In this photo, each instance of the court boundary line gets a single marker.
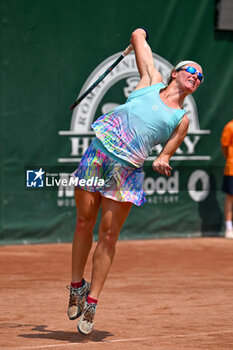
(86, 343)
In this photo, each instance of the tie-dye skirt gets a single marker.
(99, 172)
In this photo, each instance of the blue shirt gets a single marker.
(131, 130)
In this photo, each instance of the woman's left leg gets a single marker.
(113, 217)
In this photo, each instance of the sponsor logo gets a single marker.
(164, 190)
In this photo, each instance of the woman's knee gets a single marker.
(108, 237)
(85, 224)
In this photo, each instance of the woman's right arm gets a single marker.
(144, 58)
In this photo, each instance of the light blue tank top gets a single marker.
(131, 130)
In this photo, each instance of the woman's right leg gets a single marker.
(87, 204)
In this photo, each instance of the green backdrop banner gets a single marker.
(51, 51)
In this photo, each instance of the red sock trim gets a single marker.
(91, 300)
(77, 284)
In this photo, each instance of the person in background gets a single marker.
(227, 187)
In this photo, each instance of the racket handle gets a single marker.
(127, 50)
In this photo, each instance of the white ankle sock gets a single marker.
(228, 225)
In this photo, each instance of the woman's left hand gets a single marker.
(162, 167)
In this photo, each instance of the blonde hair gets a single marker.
(169, 80)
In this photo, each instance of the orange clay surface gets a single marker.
(160, 294)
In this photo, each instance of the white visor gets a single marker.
(185, 63)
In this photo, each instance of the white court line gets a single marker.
(80, 343)
(121, 340)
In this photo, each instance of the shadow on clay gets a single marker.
(72, 337)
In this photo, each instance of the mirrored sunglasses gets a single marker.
(192, 70)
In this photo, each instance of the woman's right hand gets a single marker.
(144, 58)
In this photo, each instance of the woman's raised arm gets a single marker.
(144, 58)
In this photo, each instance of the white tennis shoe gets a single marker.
(229, 234)
(77, 300)
(86, 322)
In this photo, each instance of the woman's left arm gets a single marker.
(161, 163)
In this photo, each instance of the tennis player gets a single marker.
(152, 114)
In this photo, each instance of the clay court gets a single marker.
(160, 294)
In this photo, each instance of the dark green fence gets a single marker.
(50, 52)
